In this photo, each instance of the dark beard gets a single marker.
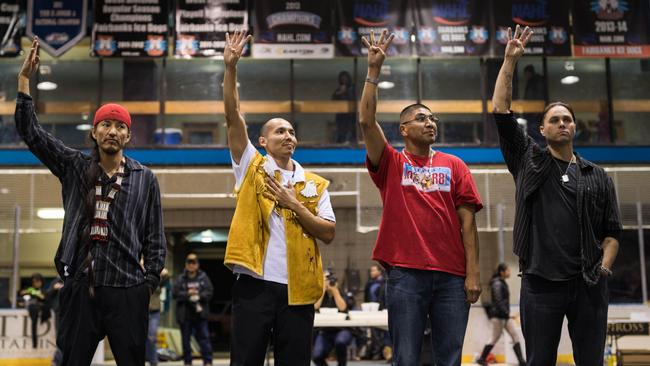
(112, 149)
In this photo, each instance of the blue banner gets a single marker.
(12, 23)
(58, 24)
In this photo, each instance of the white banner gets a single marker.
(16, 336)
(265, 50)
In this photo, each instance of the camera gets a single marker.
(331, 277)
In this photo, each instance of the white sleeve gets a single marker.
(241, 168)
(325, 210)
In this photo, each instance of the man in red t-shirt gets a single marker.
(427, 237)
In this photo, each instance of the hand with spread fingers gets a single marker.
(285, 196)
(30, 65)
(234, 47)
(517, 43)
(377, 49)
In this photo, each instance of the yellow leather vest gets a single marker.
(249, 233)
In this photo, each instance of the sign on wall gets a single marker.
(452, 27)
(292, 29)
(130, 28)
(548, 20)
(16, 338)
(10, 28)
(609, 28)
(201, 27)
(58, 24)
(357, 18)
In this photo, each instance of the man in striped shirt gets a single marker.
(566, 226)
(113, 218)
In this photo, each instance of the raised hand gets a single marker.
(30, 65)
(377, 49)
(517, 43)
(234, 47)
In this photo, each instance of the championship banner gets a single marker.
(549, 22)
(292, 29)
(611, 28)
(452, 27)
(10, 27)
(130, 28)
(58, 24)
(201, 27)
(357, 18)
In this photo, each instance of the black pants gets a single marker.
(260, 311)
(544, 304)
(119, 313)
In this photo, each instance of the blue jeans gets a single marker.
(340, 339)
(411, 296)
(152, 335)
(200, 330)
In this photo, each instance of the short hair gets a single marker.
(408, 108)
(529, 68)
(192, 254)
(556, 104)
(37, 276)
(265, 127)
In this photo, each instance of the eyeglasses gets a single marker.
(191, 261)
(422, 118)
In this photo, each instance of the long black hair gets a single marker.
(93, 173)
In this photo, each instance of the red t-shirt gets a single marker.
(419, 225)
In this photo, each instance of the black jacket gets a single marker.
(500, 307)
(183, 303)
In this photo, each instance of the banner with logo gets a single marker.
(548, 20)
(611, 28)
(292, 29)
(11, 27)
(58, 24)
(130, 28)
(201, 27)
(16, 336)
(452, 27)
(357, 18)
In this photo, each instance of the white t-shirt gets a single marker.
(275, 261)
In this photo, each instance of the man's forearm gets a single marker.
(320, 228)
(610, 251)
(23, 84)
(368, 107)
(502, 98)
(230, 94)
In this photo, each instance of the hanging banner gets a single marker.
(550, 25)
(130, 28)
(452, 27)
(201, 27)
(292, 29)
(58, 24)
(611, 28)
(10, 28)
(357, 18)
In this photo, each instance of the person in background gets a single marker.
(500, 315)
(52, 299)
(346, 131)
(375, 291)
(328, 338)
(154, 320)
(34, 300)
(192, 291)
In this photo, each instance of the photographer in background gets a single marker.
(328, 338)
(192, 291)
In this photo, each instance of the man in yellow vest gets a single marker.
(281, 211)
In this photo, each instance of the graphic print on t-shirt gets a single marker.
(427, 178)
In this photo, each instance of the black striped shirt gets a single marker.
(135, 216)
(597, 208)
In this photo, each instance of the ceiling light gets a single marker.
(50, 213)
(522, 121)
(4, 190)
(46, 86)
(84, 127)
(569, 65)
(386, 85)
(571, 79)
(412, 37)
